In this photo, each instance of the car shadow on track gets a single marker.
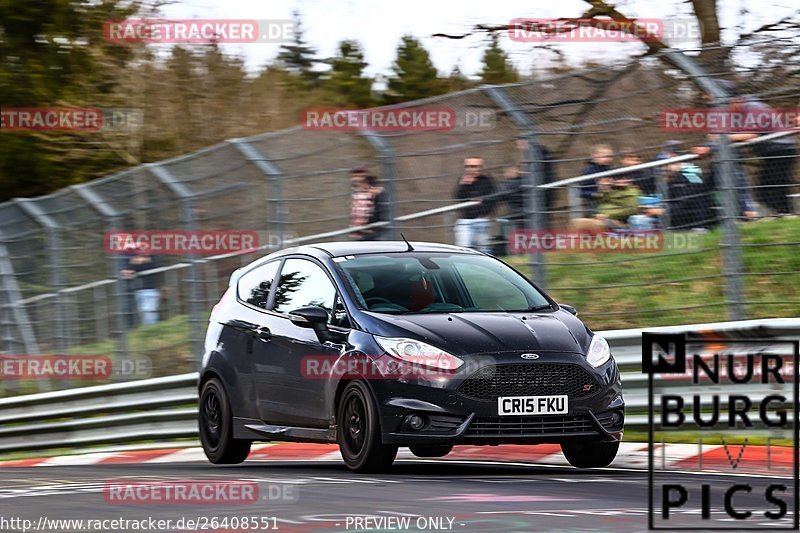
(433, 468)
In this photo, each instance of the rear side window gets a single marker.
(254, 286)
(302, 284)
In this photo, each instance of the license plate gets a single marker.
(532, 405)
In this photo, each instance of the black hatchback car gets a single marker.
(376, 345)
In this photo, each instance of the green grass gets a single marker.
(772, 275)
(166, 343)
(709, 439)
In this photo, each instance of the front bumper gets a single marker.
(452, 417)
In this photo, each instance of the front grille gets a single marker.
(530, 426)
(536, 379)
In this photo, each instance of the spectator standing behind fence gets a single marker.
(778, 156)
(145, 288)
(644, 179)
(602, 158)
(617, 201)
(367, 205)
(473, 228)
(689, 197)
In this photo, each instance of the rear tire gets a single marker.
(359, 431)
(431, 451)
(215, 422)
(592, 454)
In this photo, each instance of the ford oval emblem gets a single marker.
(530, 356)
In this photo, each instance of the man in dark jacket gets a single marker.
(473, 228)
(513, 192)
(145, 288)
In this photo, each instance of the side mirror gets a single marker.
(569, 309)
(313, 317)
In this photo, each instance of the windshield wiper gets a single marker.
(540, 307)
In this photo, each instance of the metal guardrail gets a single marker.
(165, 408)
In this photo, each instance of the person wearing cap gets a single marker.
(367, 205)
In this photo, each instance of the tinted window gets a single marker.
(438, 283)
(254, 286)
(489, 288)
(303, 283)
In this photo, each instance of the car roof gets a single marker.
(338, 249)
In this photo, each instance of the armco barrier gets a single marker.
(164, 409)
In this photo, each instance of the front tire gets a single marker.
(215, 422)
(358, 431)
(592, 454)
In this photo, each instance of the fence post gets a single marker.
(274, 174)
(51, 228)
(388, 162)
(731, 249)
(117, 264)
(535, 216)
(196, 333)
(10, 289)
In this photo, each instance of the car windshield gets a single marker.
(414, 282)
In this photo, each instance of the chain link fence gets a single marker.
(587, 151)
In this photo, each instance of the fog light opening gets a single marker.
(617, 417)
(415, 421)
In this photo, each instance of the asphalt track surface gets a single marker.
(325, 496)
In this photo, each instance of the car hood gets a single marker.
(476, 333)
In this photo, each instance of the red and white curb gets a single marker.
(750, 459)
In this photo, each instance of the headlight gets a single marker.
(419, 353)
(599, 351)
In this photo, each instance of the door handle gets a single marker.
(261, 332)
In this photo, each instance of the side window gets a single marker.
(254, 286)
(303, 283)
